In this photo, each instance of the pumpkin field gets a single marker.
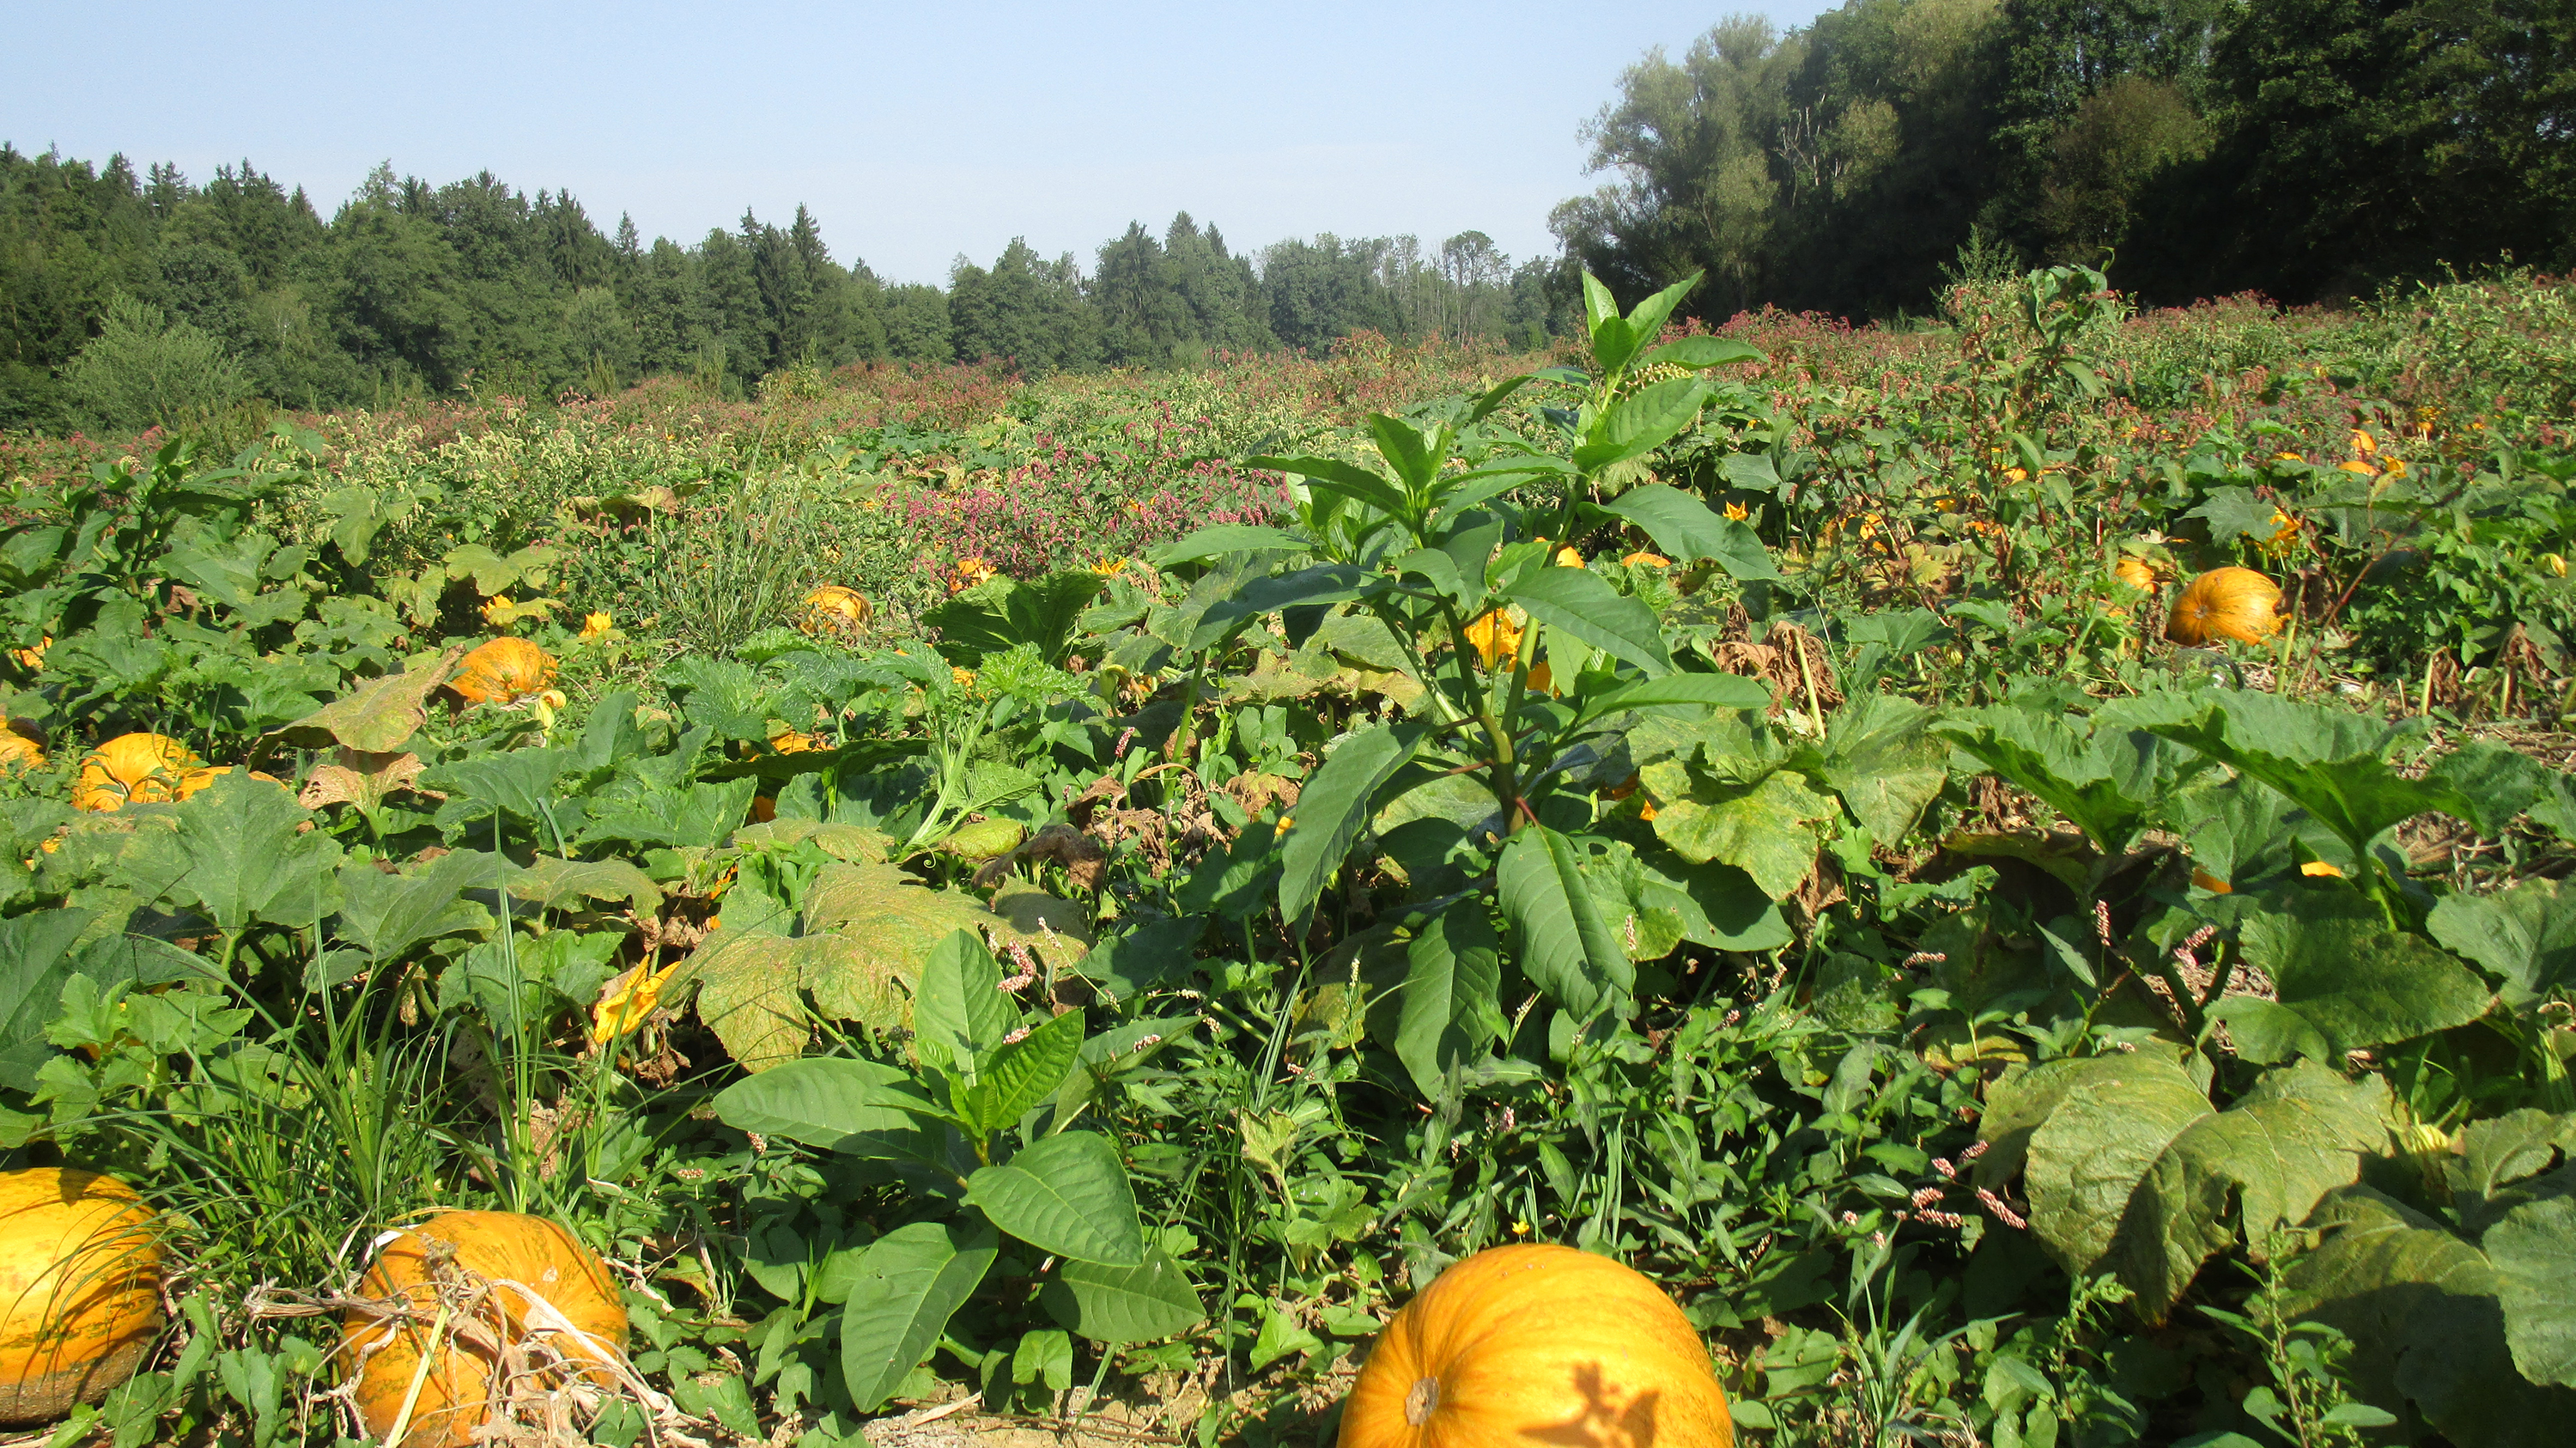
(1988, 881)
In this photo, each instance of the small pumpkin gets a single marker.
(528, 1276)
(80, 1290)
(139, 769)
(1534, 1345)
(503, 671)
(2137, 573)
(17, 752)
(835, 609)
(2229, 603)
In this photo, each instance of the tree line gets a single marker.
(2308, 149)
(127, 300)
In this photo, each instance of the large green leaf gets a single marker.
(1452, 983)
(1567, 948)
(2101, 1139)
(832, 1103)
(553, 882)
(1024, 1072)
(2346, 979)
(1121, 1305)
(2257, 1167)
(2534, 1252)
(2423, 1307)
(2045, 756)
(1000, 614)
(960, 1012)
(237, 855)
(1766, 828)
(2526, 936)
(1642, 421)
(40, 951)
(1880, 758)
(1068, 1195)
(1334, 805)
(1700, 352)
(1334, 475)
(386, 915)
(907, 1285)
(1579, 602)
(1687, 528)
(1716, 691)
(377, 716)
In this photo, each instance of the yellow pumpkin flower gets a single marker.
(627, 1007)
(1495, 636)
(2319, 869)
(962, 678)
(1738, 512)
(33, 659)
(497, 610)
(1109, 567)
(1643, 559)
(2556, 565)
(595, 624)
(2363, 442)
(1568, 558)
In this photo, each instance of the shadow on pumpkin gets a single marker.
(1605, 1421)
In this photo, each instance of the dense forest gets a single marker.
(2307, 149)
(128, 300)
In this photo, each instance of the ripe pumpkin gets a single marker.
(835, 609)
(525, 1261)
(141, 769)
(503, 671)
(1530, 1346)
(2231, 603)
(2137, 573)
(17, 751)
(80, 1290)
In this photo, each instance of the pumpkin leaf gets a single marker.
(42, 950)
(237, 855)
(1766, 828)
(1880, 757)
(377, 717)
(386, 915)
(2346, 981)
(550, 881)
(2100, 1140)
(2534, 1252)
(1068, 1195)
(904, 1289)
(2525, 936)
(1123, 1305)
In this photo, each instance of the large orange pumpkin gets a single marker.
(835, 609)
(80, 1290)
(528, 1277)
(2225, 603)
(503, 671)
(17, 751)
(139, 769)
(1538, 1347)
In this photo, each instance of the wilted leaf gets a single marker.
(1767, 829)
(378, 716)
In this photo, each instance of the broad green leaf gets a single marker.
(2534, 1252)
(1348, 479)
(1067, 1195)
(2048, 758)
(40, 951)
(1717, 691)
(1599, 310)
(386, 915)
(237, 855)
(886, 927)
(1881, 760)
(751, 994)
(2354, 981)
(1333, 806)
(1642, 421)
(2422, 1307)
(1766, 829)
(960, 1012)
(1701, 352)
(377, 716)
(831, 1103)
(1688, 529)
(907, 1286)
(2526, 936)
(1567, 949)
(551, 882)
(1579, 602)
(1122, 1305)
(2099, 1142)
(1000, 614)
(1023, 1073)
(1220, 539)
(1413, 452)
(1452, 982)
(2332, 762)
(2257, 1167)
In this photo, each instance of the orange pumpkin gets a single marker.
(526, 1278)
(2229, 603)
(503, 671)
(17, 751)
(2137, 573)
(80, 1290)
(139, 769)
(835, 609)
(1533, 1346)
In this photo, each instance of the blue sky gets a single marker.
(915, 132)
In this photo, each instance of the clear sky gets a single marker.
(915, 132)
